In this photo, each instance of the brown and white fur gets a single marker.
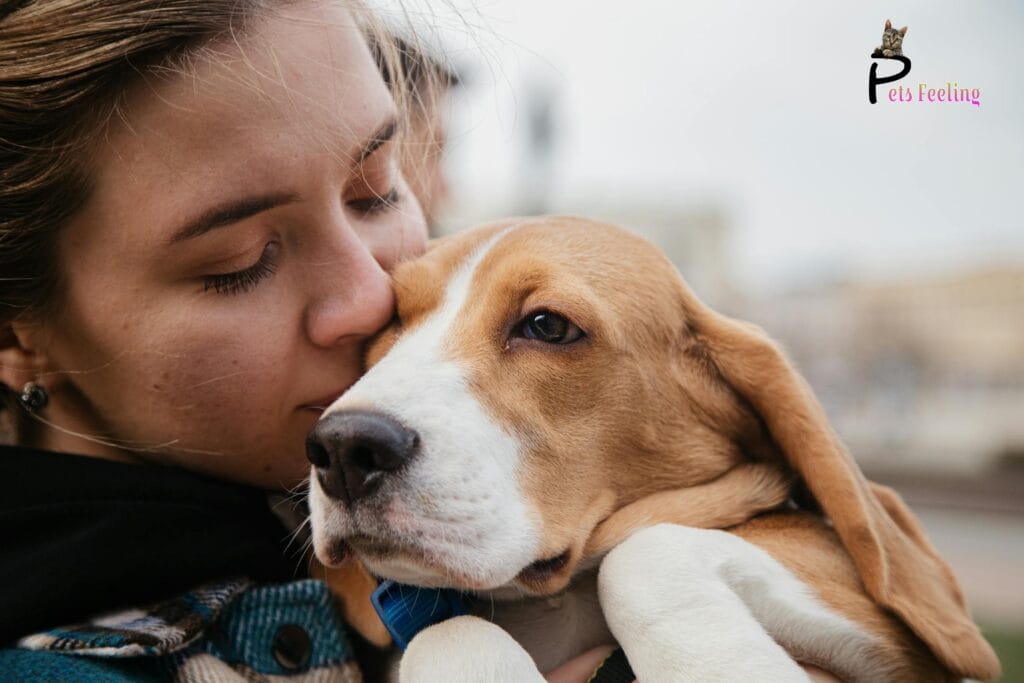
(557, 480)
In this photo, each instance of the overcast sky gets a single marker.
(762, 109)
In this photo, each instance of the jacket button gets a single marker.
(292, 647)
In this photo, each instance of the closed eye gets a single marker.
(246, 279)
(376, 203)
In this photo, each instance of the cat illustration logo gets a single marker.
(892, 42)
(891, 48)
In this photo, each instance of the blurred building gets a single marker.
(923, 373)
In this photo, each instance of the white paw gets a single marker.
(466, 649)
(667, 593)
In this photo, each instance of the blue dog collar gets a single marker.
(407, 610)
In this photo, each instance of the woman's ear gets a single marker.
(21, 359)
(900, 569)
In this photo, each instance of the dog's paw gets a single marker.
(682, 604)
(466, 649)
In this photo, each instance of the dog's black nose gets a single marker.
(353, 451)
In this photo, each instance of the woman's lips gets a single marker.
(324, 403)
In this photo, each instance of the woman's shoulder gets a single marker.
(220, 630)
(84, 536)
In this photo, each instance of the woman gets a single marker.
(200, 203)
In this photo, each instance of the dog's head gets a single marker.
(542, 374)
(536, 378)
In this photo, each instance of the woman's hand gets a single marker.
(581, 668)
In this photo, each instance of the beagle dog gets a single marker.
(555, 423)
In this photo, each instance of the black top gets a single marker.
(80, 536)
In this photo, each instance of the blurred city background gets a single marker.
(882, 244)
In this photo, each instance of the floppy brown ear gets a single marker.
(898, 565)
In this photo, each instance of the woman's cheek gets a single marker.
(408, 235)
(223, 375)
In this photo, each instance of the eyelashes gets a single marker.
(245, 280)
(376, 203)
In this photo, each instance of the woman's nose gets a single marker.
(354, 297)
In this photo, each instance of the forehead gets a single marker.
(525, 245)
(306, 71)
(614, 273)
(243, 113)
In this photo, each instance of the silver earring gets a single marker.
(33, 397)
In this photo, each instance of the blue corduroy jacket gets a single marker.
(227, 631)
(111, 554)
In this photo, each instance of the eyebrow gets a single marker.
(240, 209)
(380, 136)
(232, 212)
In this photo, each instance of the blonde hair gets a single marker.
(65, 66)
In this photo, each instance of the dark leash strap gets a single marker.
(614, 669)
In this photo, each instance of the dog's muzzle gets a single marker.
(353, 451)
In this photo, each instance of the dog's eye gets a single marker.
(549, 327)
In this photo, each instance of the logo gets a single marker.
(892, 49)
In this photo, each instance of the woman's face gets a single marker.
(233, 256)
